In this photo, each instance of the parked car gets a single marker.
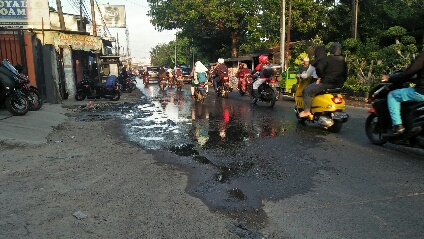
(153, 71)
(185, 71)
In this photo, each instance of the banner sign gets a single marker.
(78, 42)
(110, 15)
(24, 14)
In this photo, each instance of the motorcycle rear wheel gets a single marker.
(35, 102)
(17, 105)
(80, 95)
(374, 130)
(271, 97)
(116, 97)
(336, 127)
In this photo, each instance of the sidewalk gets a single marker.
(35, 126)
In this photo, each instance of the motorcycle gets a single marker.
(11, 90)
(162, 83)
(146, 80)
(32, 93)
(224, 88)
(200, 93)
(127, 85)
(266, 93)
(86, 88)
(180, 84)
(243, 81)
(328, 107)
(379, 123)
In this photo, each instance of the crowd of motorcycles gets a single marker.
(328, 107)
(16, 92)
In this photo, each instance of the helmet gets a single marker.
(268, 72)
(263, 59)
(221, 60)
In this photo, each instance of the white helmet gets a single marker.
(221, 60)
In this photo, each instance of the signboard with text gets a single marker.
(110, 15)
(78, 42)
(24, 14)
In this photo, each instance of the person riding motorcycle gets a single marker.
(263, 63)
(198, 68)
(319, 53)
(332, 73)
(220, 71)
(241, 74)
(409, 94)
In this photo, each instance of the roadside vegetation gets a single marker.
(389, 33)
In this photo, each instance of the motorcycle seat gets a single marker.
(330, 91)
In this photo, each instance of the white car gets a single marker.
(153, 71)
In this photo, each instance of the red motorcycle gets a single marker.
(146, 80)
(224, 87)
(243, 81)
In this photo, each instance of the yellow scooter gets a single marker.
(328, 107)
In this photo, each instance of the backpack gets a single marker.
(201, 77)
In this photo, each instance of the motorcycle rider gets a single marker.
(263, 63)
(198, 68)
(320, 52)
(219, 71)
(332, 73)
(409, 94)
(242, 71)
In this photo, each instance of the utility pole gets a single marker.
(354, 18)
(60, 13)
(81, 18)
(93, 22)
(283, 34)
(288, 34)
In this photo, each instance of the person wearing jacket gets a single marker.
(320, 52)
(199, 68)
(263, 63)
(219, 71)
(409, 94)
(331, 72)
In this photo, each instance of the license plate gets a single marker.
(340, 115)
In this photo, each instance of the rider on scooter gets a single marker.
(198, 68)
(409, 94)
(332, 73)
(220, 71)
(263, 63)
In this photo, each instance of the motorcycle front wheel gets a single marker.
(374, 130)
(17, 105)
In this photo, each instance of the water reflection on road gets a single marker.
(170, 118)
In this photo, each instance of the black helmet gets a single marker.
(268, 72)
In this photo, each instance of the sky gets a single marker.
(142, 34)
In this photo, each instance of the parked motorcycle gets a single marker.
(200, 93)
(86, 88)
(127, 85)
(224, 88)
(32, 94)
(379, 123)
(328, 107)
(11, 90)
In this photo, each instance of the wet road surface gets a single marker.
(258, 165)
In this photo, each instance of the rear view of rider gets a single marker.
(199, 74)
(409, 94)
(220, 71)
(332, 73)
(263, 63)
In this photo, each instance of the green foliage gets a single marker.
(395, 31)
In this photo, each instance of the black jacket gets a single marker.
(416, 68)
(332, 69)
